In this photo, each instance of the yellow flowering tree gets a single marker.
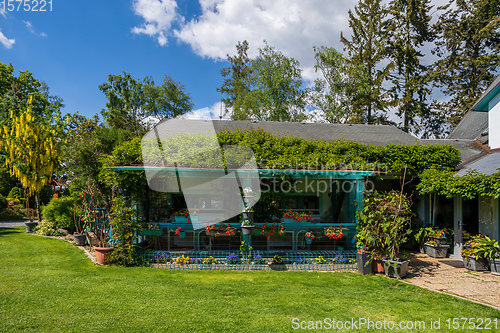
(32, 145)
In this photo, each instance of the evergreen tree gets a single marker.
(235, 84)
(367, 48)
(408, 30)
(468, 51)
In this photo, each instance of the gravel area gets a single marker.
(9, 224)
(449, 276)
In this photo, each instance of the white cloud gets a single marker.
(211, 112)
(2, 12)
(6, 42)
(292, 26)
(158, 17)
(32, 30)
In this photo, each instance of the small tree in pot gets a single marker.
(383, 225)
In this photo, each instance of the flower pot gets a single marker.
(440, 240)
(80, 239)
(289, 220)
(247, 229)
(150, 232)
(362, 259)
(396, 269)
(248, 199)
(30, 226)
(309, 240)
(436, 251)
(378, 266)
(181, 219)
(474, 264)
(102, 253)
(495, 265)
(182, 234)
(247, 215)
(421, 247)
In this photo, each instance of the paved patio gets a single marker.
(450, 277)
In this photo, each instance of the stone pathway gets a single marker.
(9, 224)
(450, 277)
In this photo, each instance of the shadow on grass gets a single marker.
(11, 230)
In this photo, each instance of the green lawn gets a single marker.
(49, 285)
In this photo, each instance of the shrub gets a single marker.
(16, 193)
(3, 203)
(47, 228)
(60, 212)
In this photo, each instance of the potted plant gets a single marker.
(79, 234)
(185, 216)
(271, 229)
(218, 230)
(421, 235)
(248, 196)
(247, 227)
(486, 249)
(334, 233)
(179, 232)
(150, 229)
(309, 237)
(435, 249)
(383, 225)
(440, 236)
(292, 216)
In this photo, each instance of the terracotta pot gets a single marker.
(102, 253)
(378, 266)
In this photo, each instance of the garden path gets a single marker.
(450, 277)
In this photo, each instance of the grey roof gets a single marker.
(378, 135)
(487, 165)
(482, 103)
(472, 127)
(467, 148)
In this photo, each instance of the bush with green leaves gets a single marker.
(124, 225)
(16, 193)
(60, 212)
(3, 203)
(47, 228)
(384, 223)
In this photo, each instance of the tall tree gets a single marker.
(333, 94)
(235, 85)
(277, 92)
(469, 54)
(408, 30)
(32, 142)
(131, 102)
(367, 48)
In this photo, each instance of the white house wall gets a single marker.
(494, 122)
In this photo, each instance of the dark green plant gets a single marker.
(3, 203)
(124, 226)
(16, 193)
(60, 212)
(384, 223)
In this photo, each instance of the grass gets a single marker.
(48, 285)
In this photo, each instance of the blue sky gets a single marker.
(74, 47)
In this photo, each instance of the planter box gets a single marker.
(396, 269)
(495, 266)
(30, 226)
(183, 219)
(80, 239)
(361, 262)
(440, 240)
(436, 251)
(474, 264)
(150, 232)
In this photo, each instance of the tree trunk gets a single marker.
(37, 203)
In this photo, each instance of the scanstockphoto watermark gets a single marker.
(314, 185)
(364, 324)
(318, 168)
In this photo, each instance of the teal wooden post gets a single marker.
(360, 189)
(247, 239)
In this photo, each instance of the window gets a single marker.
(301, 203)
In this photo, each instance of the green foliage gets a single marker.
(384, 223)
(3, 203)
(486, 248)
(13, 213)
(131, 101)
(367, 48)
(124, 225)
(47, 228)
(468, 53)
(16, 193)
(60, 212)
(408, 30)
(469, 186)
